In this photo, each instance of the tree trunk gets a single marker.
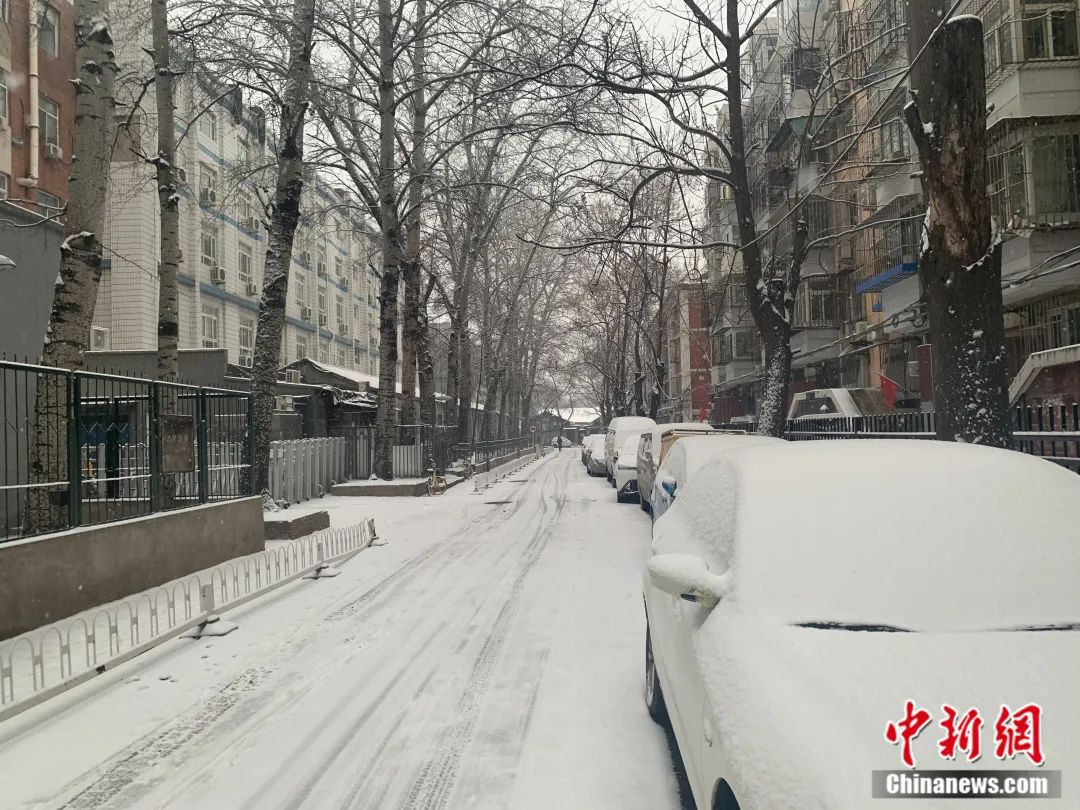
(386, 421)
(75, 292)
(168, 330)
(452, 374)
(960, 262)
(410, 333)
(426, 375)
(465, 390)
(283, 222)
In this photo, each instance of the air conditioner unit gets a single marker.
(252, 288)
(217, 274)
(180, 174)
(99, 338)
(305, 257)
(343, 328)
(249, 223)
(53, 152)
(913, 369)
(292, 375)
(283, 403)
(247, 358)
(207, 196)
(343, 282)
(305, 313)
(322, 319)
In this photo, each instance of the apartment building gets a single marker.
(859, 315)
(37, 103)
(226, 170)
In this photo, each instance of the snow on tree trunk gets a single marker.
(75, 292)
(283, 221)
(960, 260)
(168, 330)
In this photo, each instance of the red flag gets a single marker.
(890, 390)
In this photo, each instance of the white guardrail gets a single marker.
(485, 479)
(302, 469)
(50, 660)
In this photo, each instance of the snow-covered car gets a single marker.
(654, 446)
(596, 459)
(783, 643)
(588, 443)
(626, 483)
(619, 430)
(686, 456)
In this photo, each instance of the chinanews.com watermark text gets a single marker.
(955, 784)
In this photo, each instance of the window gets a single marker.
(301, 291)
(320, 262)
(339, 309)
(893, 136)
(49, 121)
(50, 202)
(208, 125)
(209, 247)
(211, 327)
(243, 265)
(1056, 164)
(1050, 35)
(322, 302)
(244, 208)
(337, 268)
(207, 184)
(3, 95)
(301, 348)
(341, 361)
(49, 30)
(247, 333)
(243, 151)
(356, 312)
(1063, 33)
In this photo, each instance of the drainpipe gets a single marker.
(31, 179)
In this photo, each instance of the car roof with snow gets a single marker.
(892, 531)
(693, 451)
(641, 423)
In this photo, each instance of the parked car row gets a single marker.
(799, 594)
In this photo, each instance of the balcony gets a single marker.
(1029, 33)
(1034, 172)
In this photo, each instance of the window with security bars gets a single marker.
(1034, 174)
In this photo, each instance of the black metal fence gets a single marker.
(1051, 431)
(90, 448)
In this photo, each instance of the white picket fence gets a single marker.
(46, 662)
(302, 469)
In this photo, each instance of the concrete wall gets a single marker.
(45, 579)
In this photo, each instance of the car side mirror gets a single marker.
(689, 578)
(668, 484)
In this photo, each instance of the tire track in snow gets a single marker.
(432, 786)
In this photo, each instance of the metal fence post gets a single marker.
(154, 450)
(202, 448)
(74, 457)
(251, 445)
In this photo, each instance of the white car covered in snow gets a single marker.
(619, 430)
(595, 458)
(804, 601)
(588, 443)
(687, 455)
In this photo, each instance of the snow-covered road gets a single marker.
(489, 657)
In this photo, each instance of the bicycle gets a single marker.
(436, 484)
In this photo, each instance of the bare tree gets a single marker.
(68, 335)
(285, 216)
